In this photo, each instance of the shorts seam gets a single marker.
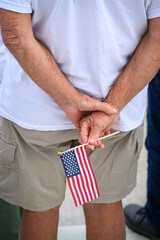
(7, 138)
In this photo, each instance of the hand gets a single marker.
(83, 105)
(95, 125)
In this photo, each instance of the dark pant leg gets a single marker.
(9, 221)
(153, 147)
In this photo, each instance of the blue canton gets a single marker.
(70, 164)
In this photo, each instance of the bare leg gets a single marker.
(39, 225)
(105, 221)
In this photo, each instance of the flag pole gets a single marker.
(85, 144)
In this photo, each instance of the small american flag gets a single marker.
(80, 176)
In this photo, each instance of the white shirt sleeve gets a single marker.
(21, 6)
(153, 9)
(2, 58)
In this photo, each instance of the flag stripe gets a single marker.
(94, 182)
(84, 183)
(83, 187)
(85, 173)
(88, 173)
(72, 191)
(80, 176)
(76, 191)
(79, 181)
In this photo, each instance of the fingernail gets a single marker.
(114, 110)
(91, 140)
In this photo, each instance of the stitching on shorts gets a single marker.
(6, 137)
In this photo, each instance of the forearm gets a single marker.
(40, 65)
(138, 73)
(38, 62)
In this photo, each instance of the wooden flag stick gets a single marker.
(99, 139)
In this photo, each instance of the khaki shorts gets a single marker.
(32, 175)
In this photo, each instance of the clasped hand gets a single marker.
(92, 119)
(94, 126)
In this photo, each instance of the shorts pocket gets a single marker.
(8, 167)
(132, 175)
(139, 145)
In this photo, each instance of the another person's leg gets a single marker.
(146, 220)
(153, 147)
(9, 221)
(104, 221)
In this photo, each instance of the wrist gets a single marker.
(113, 103)
(72, 100)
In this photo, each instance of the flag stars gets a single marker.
(70, 164)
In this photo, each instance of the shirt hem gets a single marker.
(153, 14)
(38, 127)
(67, 126)
(128, 128)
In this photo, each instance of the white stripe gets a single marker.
(70, 179)
(93, 180)
(86, 174)
(85, 184)
(81, 186)
(79, 193)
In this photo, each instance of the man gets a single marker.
(9, 214)
(75, 54)
(146, 220)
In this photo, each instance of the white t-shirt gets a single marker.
(92, 41)
(2, 58)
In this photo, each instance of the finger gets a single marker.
(111, 125)
(84, 131)
(94, 135)
(103, 107)
(99, 142)
(99, 145)
(90, 146)
(107, 132)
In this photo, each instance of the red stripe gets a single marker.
(85, 176)
(75, 188)
(84, 188)
(87, 169)
(82, 180)
(79, 186)
(85, 162)
(92, 171)
(69, 184)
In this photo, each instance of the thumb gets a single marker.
(95, 133)
(103, 107)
